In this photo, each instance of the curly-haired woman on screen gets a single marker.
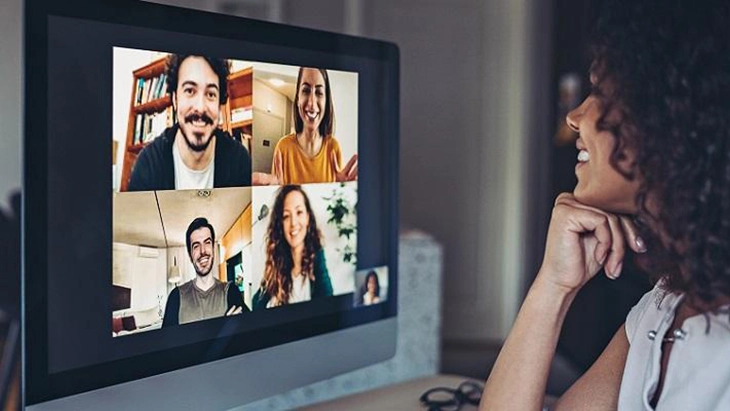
(654, 177)
(295, 269)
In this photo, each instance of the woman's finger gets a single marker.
(562, 198)
(335, 163)
(614, 263)
(632, 235)
(260, 179)
(278, 168)
(566, 201)
(581, 221)
(352, 176)
(351, 168)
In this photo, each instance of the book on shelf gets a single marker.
(158, 123)
(153, 87)
(241, 114)
(137, 91)
(160, 91)
(148, 126)
(137, 129)
(150, 89)
(146, 92)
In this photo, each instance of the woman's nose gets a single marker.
(573, 118)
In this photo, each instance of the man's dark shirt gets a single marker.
(155, 170)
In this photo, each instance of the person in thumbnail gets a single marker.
(194, 153)
(653, 171)
(312, 154)
(295, 269)
(204, 296)
(371, 291)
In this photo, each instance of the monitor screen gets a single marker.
(191, 247)
(249, 201)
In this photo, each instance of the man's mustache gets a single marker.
(198, 117)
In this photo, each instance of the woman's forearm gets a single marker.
(519, 376)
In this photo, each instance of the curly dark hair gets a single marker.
(662, 75)
(277, 281)
(221, 67)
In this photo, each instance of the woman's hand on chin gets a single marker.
(583, 239)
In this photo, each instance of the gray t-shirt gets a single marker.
(196, 304)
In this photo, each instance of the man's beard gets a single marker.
(198, 269)
(190, 140)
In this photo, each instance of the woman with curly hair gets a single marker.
(653, 177)
(295, 269)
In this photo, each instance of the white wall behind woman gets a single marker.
(344, 97)
(474, 92)
(269, 105)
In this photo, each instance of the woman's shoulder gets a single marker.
(332, 143)
(287, 142)
(320, 264)
(319, 256)
(322, 283)
(651, 307)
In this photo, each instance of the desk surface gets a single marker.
(399, 397)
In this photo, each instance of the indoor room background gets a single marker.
(475, 124)
(481, 151)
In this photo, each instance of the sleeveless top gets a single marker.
(698, 372)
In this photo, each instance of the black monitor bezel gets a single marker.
(40, 385)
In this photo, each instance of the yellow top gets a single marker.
(299, 168)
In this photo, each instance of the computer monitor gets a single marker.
(240, 241)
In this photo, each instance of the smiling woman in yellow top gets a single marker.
(312, 154)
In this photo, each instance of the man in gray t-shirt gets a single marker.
(204, 296)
